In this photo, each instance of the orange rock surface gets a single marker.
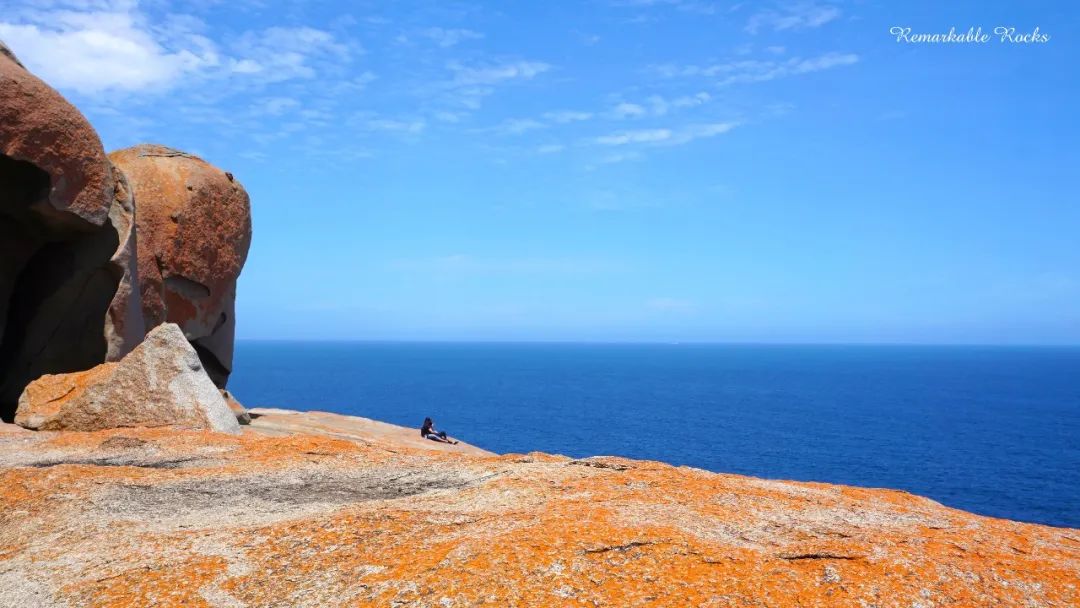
(159, 517)
(194, 231)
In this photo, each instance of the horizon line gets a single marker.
(661, 342)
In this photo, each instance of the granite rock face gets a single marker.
(160, 383)
(155, 517)
(76, 232)
(67, 240)
(194, 226)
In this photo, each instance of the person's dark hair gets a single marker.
(427, 422)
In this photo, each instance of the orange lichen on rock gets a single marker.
(194, 226)
(51, 391)
(160, 383)
(138, 517)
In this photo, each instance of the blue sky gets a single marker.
(610, 169)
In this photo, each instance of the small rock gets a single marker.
(154, 385)
(241, 413)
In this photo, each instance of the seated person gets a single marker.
(428, 432)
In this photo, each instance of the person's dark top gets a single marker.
(426, 429)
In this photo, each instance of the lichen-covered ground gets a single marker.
(138, 517)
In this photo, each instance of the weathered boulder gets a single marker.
(160, 383)
(67, 240)
(194, 225)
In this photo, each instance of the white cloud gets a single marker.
(244, 66)
(470, 84)
(628, 110)
(656, 105)
(95, 47)
(105, 46)
(494, 74)
(517, 126)
(274, 106)
(449, 117)
(754, 70)
(693, 6)
(824, 62)
(661, 106)
(408, 127)
(634, 137)
(446, 38)
(793, 16)
(621, 157)
(284, 53)
(702, 131)
(566, 116)
(665, 136)
(550, 149)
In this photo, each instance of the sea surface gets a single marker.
(993, 430)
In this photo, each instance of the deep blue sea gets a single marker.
(993, 430)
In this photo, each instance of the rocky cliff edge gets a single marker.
(310, 509)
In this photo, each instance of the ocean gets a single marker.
(992, 430)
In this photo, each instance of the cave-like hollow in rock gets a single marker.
(55, 284)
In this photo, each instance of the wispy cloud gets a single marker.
(693, 6)
(750, 70)
(793, 16)
(657, 105)
(518, 126)
(274, 106)
(635, 137)
(628, 110)
(621, 157)
(665, 136)
(284, 53)
(470, 84)
(486, 75)
(409, 127)
(550, 148)
(566, 116)
(446, 38)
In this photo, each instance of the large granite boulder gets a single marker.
(67, 240)
(194, 225)
(160, 383)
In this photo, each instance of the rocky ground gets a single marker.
(351, 512)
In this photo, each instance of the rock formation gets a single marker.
(154, 517)
(160, 383)
(315, 509)
(76, 232)
(67, 300)
(238, 410)
(194, 224)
